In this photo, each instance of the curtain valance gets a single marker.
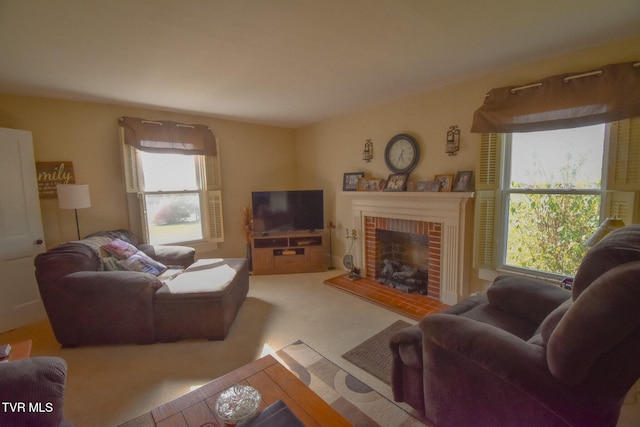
(604, 95)
(168, 137)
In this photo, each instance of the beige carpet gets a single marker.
(374, 355)
(109, 385)
(352, 398)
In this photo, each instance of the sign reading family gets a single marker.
(52, 173)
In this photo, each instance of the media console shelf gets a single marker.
(299, 252)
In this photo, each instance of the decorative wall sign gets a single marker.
(52, 173)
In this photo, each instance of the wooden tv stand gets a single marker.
(281, 253)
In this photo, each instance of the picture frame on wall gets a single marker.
(463, 181)
(445, 180)
(397, 182)
(350, 181)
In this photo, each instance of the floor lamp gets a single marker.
(605, 228)
(74, 196)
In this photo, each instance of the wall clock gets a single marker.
(402, 153)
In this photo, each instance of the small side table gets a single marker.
(20, 350)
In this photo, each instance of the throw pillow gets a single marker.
(142, 262)
(111, 263)
(120, 248)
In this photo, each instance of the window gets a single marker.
(540, 195)
(552, 197)
(173, 186)
(172, 200)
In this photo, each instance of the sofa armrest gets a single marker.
(114, 306)
(169, 255)
(526, 298)
(119, 282)
(406, 366)
(38, 383)
(406, 346)
(494, 349)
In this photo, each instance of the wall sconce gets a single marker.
(453, 140)
(367, 154)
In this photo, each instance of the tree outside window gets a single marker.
(172, 197)
(553, 196)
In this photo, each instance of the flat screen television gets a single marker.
(286, 211)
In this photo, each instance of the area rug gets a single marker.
(374, 355)
(353, 399)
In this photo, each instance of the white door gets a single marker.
(21, 233)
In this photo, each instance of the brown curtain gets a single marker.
(607, 94)
(168, 137)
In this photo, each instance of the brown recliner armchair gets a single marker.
(32, 392)
(528, 353)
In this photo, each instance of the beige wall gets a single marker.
(328, 149)
(262, 157)
(253, 157)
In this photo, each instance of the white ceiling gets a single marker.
(283, 62)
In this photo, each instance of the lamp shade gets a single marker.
(605, 228)
(73, 196)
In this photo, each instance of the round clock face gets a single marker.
(402, 153)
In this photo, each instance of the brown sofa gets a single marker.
(529, 353)
(89, 304)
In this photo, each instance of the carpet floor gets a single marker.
(112, 384)
(109, 385)
(352, 398)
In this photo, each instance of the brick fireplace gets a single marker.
(446, 220)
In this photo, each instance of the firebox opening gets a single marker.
(402, 260)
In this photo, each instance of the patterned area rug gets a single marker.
(352, 398)
(374, 355)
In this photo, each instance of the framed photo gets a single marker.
(446, 182)
(423, 186)
(350, 181)
(464, 181)
(433, 186)
(369, 184)
(397, 182)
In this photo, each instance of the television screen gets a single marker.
(285, 211)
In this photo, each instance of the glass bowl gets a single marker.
(237, 403)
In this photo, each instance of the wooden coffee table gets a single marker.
(270, 378)
(20, 350)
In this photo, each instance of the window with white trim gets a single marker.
(542, 194)
(174, 195)
(552, 192)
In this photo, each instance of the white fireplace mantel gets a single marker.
(453, 210)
